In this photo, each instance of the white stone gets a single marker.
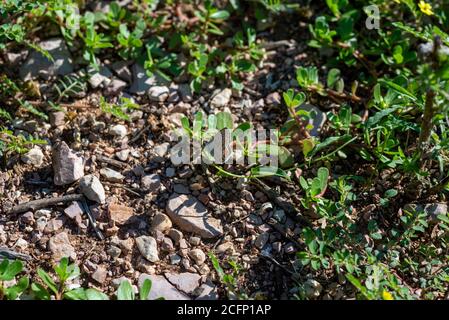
(34, 157)
(118, 130)
(92, 188)
(148, 248)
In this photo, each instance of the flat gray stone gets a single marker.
(221, 99)
(34, 157)
(158, 93)
(38, 65)
(141, 82)
(111, 175)
(60, 247)
(190, 215)
(162, 288)
(148, 248)
(187, 282)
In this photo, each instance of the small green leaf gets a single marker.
(94, 294)
(46, 278)
(145, 289)
(125, 291)
(11, 271)
(224, 120)
(220, 15)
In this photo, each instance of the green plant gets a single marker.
(118, 110)
(230, 279)
(126, 292)
(210, 17)
(8, 272)
(93, 41)
(69, 86)
(130, 41)
(207, 134)
(16, 144)
(59, 289)
(314, 189)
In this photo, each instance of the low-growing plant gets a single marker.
(229, 279)
(119, 110)
(8, 273)
(126, 292)
(59, 289)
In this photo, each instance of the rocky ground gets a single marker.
(149, 218)
(104, 192)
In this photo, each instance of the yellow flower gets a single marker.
(386, 295)
(425, 8)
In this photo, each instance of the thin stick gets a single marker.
(11, 254)
(42, 203)
(426, 126)
(91, 218)
(112, 162)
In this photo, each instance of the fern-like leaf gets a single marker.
(69, 86)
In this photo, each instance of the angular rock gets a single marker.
(226, 247)
(122, 155)
(75, 212)
(221, 99)
(150, 183)
(101, 77)
(92, 188)
(141, 82)
(180, 188)
(158, 93)
(60, 247)
(312, 288)
(274, 99)
(39, 65)
(161, 222)
(190, 215)
(175, 259)
(115, 87)
(120, 214)
(195, 241)
(54, 225)
(162, 288)
(57, 119)
(67, 166)
(207, 291)
(34, 157)
(186, 282)
(175, 235)
(100, 274)
(27, 218)
(111, 175)
(186, 92)
(261, 240)
(198, 256)
(148, 248)
(161, 151)
(122, 70)
(118, 130)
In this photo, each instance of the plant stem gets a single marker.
(426, 125)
